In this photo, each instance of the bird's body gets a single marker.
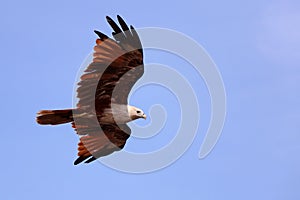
(102, 111)
(121, 114)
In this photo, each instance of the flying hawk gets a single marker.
(102, 111)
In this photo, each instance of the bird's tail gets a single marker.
(54, 117)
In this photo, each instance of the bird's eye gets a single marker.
(138, 112)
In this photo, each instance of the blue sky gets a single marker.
(256, 46)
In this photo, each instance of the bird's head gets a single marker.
(136, 113)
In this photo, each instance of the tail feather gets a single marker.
(54, 117)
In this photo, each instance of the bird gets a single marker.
(101, 115)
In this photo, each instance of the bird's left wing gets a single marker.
(116, 62)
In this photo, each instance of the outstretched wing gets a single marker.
(101, 142)
(117, 65)
(116, 62)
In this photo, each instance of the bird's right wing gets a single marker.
(95, 145)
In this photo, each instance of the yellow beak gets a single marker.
(144, 116)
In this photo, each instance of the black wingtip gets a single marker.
(124, 26)
(90, 160)
(108, 18)
(101, 35)
(79, 160)
(119, 18)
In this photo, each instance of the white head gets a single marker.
(136, 113)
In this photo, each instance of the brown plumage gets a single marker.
(117, 64)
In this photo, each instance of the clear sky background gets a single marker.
(256, 45)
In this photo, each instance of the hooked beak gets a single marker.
(144, 116)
